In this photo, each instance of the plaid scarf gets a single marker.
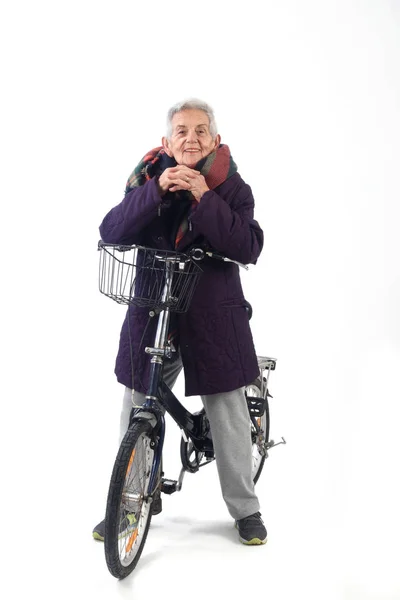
(216, 168)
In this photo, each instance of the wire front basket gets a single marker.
(137, 275)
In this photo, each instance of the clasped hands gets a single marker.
(182, 177)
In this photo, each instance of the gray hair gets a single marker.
(192, 104)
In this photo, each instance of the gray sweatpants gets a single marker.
(230, 428)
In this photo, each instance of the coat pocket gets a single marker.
(238, 303)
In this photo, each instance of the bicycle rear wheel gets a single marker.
(258, 440)
(128, 512)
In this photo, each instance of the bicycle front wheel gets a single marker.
(128, 512)
(258, 440)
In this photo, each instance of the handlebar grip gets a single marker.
(218, 257)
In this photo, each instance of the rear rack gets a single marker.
(265, 362)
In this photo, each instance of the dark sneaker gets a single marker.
(127, 525)
(251, 530)
(98, 531)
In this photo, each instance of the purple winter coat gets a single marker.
(215, 340)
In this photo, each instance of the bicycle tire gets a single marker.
(254, 389)
(127, 501)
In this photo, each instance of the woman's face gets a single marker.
(191, 139)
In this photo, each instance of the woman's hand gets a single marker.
(182, 178)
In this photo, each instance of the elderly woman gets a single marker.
(188, 193)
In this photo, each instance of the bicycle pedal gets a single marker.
(168, 486)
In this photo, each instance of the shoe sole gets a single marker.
(253, 542)
(125, 533)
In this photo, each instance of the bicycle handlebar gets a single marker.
(196, 254)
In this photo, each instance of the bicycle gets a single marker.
(164, 282)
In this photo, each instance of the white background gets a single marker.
(306, 95)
